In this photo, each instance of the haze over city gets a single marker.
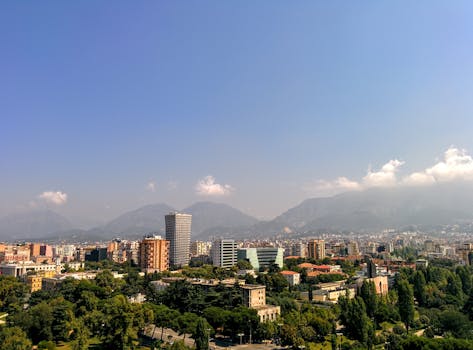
(109, 108)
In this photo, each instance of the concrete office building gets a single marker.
(224, 253)
(153, 254)
(178, 233)
(262, 257)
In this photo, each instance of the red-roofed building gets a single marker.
(307, 266)
(292, 277)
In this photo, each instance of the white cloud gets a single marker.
(57, 198)
(386, 177)
(151, 186)
(208, 187)
(341, 184)
(418, 179)
(457, 165)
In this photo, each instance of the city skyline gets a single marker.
(173, 103)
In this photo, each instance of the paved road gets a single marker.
(170, 336)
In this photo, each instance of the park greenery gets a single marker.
(426, 308)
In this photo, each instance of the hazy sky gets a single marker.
(109, 105)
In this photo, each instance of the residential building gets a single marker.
(154, 254)
(199, 248)
(178, 233)
(293, 278)
(352, 248)
(254, 297)
(299, 249)
(316, 249)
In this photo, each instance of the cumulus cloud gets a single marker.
(386, 177)
(456, 164)
(151, 186)
(418, 179)
(51, 197)
(341, 184)
(208, 187)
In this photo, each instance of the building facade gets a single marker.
(262, 257)
(154, 254)
(316, 249)
(224, 253)
(178, 233)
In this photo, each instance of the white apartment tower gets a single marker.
(178, 233)
(224, 253)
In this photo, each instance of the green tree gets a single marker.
(80, 336)
(165, 317)
(201, 334)
(456, 323)
(465, 276)
(368, 294)
(353, 316)
(120, 326)
(62, 319)
(419, 287)
(12, 292)
(14, 338)
(405, 302)
(187, 323)
(39, 322)
(243, 264)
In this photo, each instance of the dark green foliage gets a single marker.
(12, 292)
(422, 343)
(456, 323)
(244, 265)
(14, 338)
(46, 345)
(368, 294)
(353, 316)
(405, 302)
(185, 297)
(419, 288)
(201, 335)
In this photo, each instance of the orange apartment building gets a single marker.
(153, 254)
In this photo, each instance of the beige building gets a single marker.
(34, 283)
(293, 278)
(154, 254)
(381, 284)
(254, 297)
(316, 249)
(200, 248)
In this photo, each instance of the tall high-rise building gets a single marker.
(153, 254)
(316, 249)
(224, 253)
(178, 233)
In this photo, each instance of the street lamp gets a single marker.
(240, 335)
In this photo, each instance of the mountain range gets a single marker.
(371, 209)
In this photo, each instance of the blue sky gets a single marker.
(119, 104)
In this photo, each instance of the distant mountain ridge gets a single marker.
(380, 208)
(32, 224)
(372, 209)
